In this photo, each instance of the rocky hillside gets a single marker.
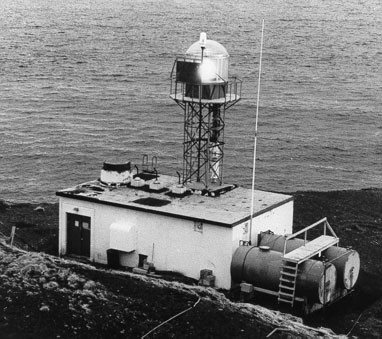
(42, 296)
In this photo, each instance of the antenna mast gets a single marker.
(255, 144)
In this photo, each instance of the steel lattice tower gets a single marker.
(201, 87)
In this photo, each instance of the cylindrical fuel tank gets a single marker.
(261, 267)
(346, 261)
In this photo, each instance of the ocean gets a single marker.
(84, 81)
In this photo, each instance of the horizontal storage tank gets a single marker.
(346, 261)
(261, 267)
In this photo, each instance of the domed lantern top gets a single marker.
(213, 58)
(212, 49)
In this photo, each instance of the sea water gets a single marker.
(85, 81)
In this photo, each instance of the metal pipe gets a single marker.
(305, 229)
(154, 164)
(285, 245)
(331, 230)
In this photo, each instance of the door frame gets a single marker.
(74, 207)
(78, 229)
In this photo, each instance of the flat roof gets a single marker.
(227, 209)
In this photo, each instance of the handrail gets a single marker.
(233, 86)
(306, 229)
(331, 229)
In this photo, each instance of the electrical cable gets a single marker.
(172, 318)
(355, 323)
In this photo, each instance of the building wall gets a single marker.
(278, 220)
(172, 244)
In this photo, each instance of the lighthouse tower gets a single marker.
(201, 87)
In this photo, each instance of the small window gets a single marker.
(76, 223)
(86, 225)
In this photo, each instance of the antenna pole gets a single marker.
(255, 144)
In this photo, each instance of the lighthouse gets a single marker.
(146, 221)
(201, 86)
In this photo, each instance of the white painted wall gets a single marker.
(170, 243)
(278, 220)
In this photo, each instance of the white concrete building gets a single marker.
(180, 233)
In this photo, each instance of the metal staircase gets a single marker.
(292, 260)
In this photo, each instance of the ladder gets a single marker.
(291, 260)
(288, 278)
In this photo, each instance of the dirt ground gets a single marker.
(49, 299)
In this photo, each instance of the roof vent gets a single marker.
(138, 182)
(178, 189)
(156, 186)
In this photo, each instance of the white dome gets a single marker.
(213, 49)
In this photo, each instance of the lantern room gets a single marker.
(202, 73)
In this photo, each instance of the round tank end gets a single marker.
(327, 285)
(351, 270)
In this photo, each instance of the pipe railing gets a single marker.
(306, 229)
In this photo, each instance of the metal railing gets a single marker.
(179, 91)
(305, 230)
